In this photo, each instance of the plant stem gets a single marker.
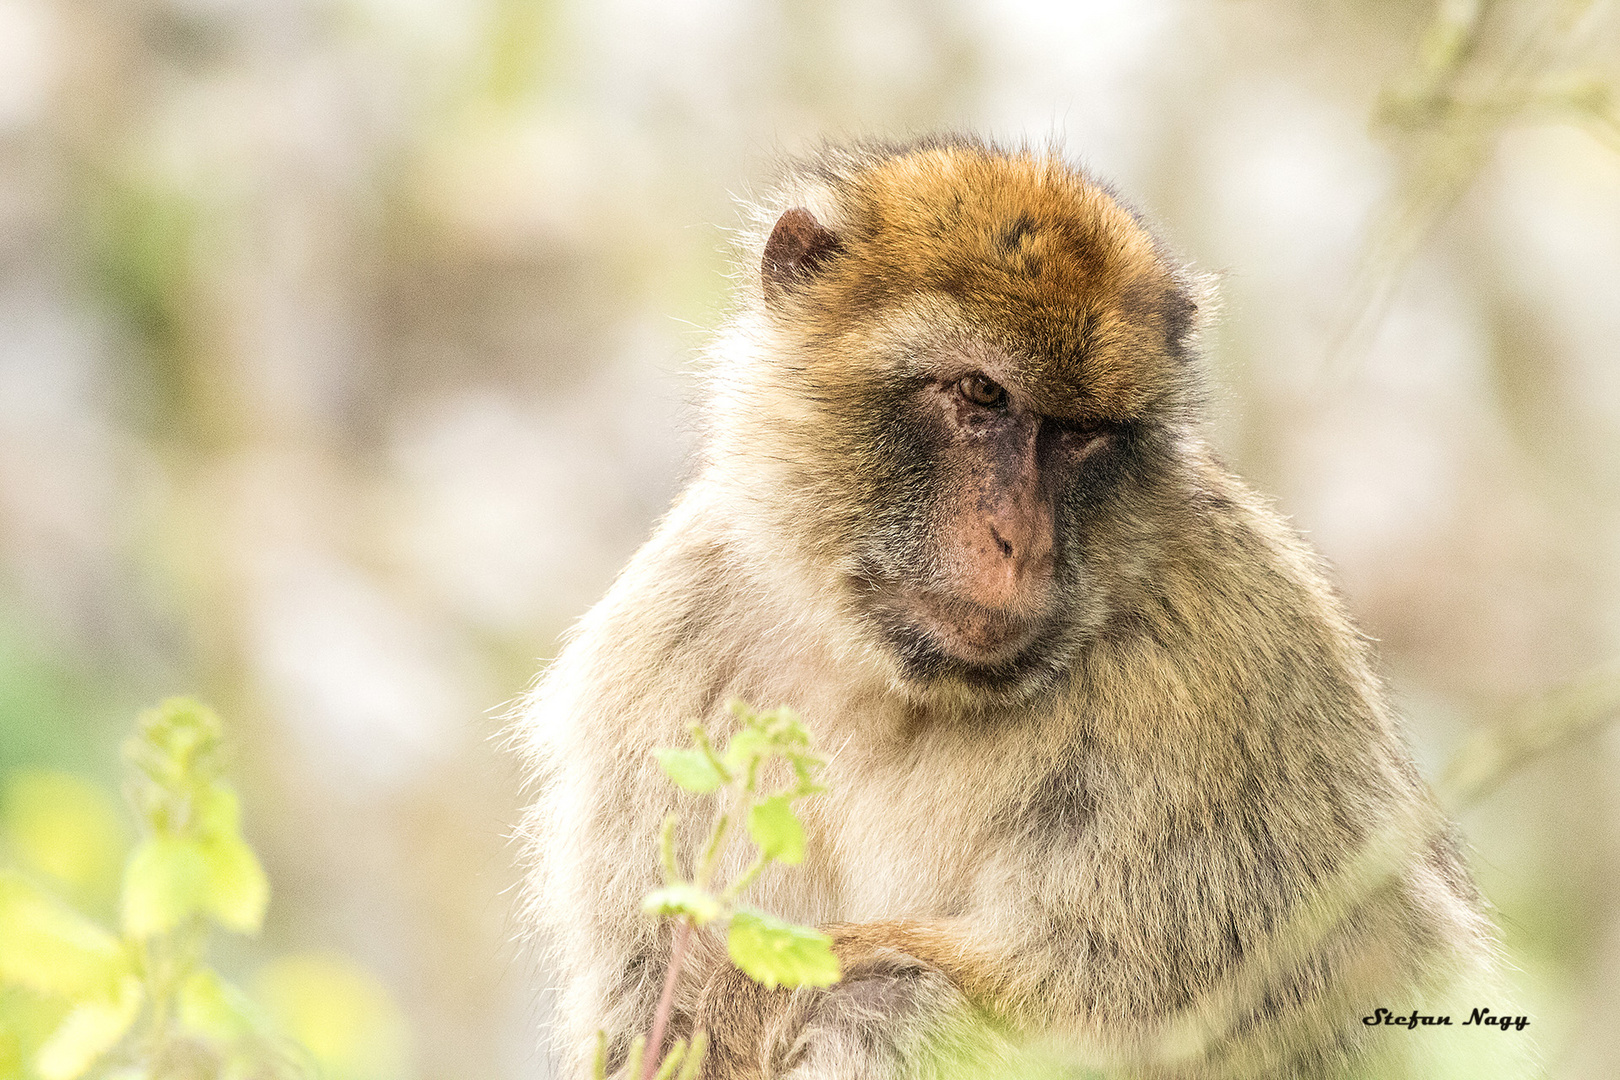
(655, 1043)
(747, 879)
(711, 854)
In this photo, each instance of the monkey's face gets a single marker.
(993, 352)
(988, 535)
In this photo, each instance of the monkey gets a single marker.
(1110, 774)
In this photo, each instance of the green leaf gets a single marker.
(776, 830)
(746, 747)
(672, 1061)
(49, 948)
(176, 742)
(66, 827)
(778, 953)
(211, 1007)
(788, 729)
(694, 1056)
(694, 903)
(638, 1047)
(599, 1065)
(218, 811)
(804, 774)
(691, 769)
(237, 891)
(165, 882)
(89, 1031)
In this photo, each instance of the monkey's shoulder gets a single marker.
(677, 633)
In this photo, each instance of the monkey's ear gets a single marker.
(798, 246)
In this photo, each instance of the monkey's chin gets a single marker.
(937, 640)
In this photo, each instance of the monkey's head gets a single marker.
(963, 393)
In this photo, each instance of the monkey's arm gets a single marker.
(924, 998)
(894, 1013)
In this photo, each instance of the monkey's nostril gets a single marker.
(1006, 548)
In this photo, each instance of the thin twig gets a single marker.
(1499, 750)
(666, 1000)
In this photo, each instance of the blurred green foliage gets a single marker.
(48, 705)
(340, 1012)
(66, 829)
(78, 999)
(142, 239)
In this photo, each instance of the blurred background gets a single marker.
(344, 353)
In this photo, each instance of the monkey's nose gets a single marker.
(1013, 569)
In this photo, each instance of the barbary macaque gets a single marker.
(1110, 774)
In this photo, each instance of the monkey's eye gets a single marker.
(1083, 429)
(983, 391)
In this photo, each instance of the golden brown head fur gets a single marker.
(1078, 289)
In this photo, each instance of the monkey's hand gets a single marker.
(891, 1015)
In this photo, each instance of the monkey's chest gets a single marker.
(892, 851)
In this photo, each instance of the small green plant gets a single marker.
(143, 1002)
(769, 950)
